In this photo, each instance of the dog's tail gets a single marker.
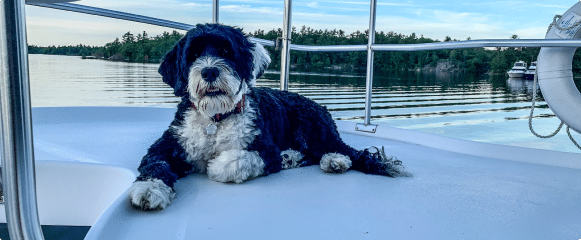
(374, 161)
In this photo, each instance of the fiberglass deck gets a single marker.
(451, 196)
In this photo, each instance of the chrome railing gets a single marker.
(16, 125)
(369, 69)
(114, 14)
(18, 159)
(371, 47)
(286, 40)
(215, 11)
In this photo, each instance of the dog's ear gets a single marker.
(171, 69)
(260, 61)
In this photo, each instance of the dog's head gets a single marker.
(214, 65)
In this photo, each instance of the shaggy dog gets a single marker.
(233, 131)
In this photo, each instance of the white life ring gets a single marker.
(554, 69)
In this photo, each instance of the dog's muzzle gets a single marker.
(210, 74)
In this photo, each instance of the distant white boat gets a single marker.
(518, 70)
(531, 72)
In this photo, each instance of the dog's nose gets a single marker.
(210, 74)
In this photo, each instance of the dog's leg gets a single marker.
(343, 157)
(291, 159)
(269, 152)
(378, 162)
(235, 166)
(163, 164)
(337, 157)
(150, 194)
(335, 163)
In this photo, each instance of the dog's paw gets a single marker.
(150, 194)
(392, 166)
(235, 166)
(335, 163)
(291, 158)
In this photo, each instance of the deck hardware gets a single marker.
(371, 128)
(278, 44)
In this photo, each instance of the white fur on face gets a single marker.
(227, 82)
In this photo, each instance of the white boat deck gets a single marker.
(453, 195)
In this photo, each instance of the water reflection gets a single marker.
(71, 81)
(460, 105)
(520, 86)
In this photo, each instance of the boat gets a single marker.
(531, 72)
(508, 188)
(518, 70)
(460, 189)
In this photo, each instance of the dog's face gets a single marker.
(214, 65)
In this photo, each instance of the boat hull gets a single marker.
(529, 75)
(516, 74)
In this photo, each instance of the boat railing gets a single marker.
(18, 159)
(286, 45)
(481, 43)
(18, 174)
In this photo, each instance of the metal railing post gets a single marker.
(16, 125)
(215, 11)
(369, 76)
(286, 39)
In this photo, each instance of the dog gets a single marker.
(233, 131)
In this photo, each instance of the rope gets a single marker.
(535, 84)
(571, 137)
(554, 23)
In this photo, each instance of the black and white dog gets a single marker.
(233, 131)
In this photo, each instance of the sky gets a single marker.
(485, 19)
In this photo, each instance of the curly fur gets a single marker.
(291, 158)
(213, 68)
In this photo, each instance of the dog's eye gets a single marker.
(223, 52)
(191, 57)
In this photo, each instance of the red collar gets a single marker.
(238, 109)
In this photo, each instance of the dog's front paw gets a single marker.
(235, 166)
(150, 194)
(291, 159)
(335, 163)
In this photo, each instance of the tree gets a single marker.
(128, 38)
(143, 48)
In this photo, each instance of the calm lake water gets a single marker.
(492, 109)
